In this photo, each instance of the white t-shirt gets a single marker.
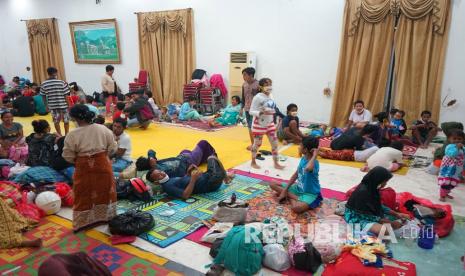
(384, 157)
(262, 102)
(357, 118)
(152, 103)
(124, 142)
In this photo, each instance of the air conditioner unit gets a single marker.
(238, 61)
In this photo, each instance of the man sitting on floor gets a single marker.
(23, 106)
(122, 157)
(195, 182)
(140, 110)
(173, 166)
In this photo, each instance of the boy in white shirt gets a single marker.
(386, 157)
(122, 157)
(359, 115)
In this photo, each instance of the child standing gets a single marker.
(187, 112)
(305, 194)
(249, 90)
(452, 166)
(262, 109)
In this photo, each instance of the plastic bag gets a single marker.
(65, 193)
(131, 223)
(276, 257)
(29, 210)
(219, 230)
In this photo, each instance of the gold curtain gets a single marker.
(167, 51)
(420, 46)
(364, 58)
(45, 48)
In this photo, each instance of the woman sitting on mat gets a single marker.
(13, 225)
(305, 194)
(364, 205)
(188, 112)
(229, 115)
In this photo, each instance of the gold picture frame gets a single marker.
(96, 41)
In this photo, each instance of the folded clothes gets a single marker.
(117, 239)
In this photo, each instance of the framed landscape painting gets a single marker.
(95, 41)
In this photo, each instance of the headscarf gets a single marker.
(366, 198)
(78, 263)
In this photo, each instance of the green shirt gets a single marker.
(39, 104)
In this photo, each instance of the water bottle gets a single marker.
(427, 237)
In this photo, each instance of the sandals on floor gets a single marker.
(265, 152)
(259, 157)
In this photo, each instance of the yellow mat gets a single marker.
(293, 151)
(168, 141)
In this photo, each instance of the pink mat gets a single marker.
(328, 193)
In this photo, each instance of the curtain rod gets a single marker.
(54, 18)
(165, 10)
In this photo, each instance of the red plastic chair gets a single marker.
(142, 82)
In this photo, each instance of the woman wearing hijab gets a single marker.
(78, 263)
(88, 147)
(364, 205)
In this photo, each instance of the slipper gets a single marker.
(265, 152)
(260, 157)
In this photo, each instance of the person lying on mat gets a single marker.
(173, 166)
(229, 115)
(195, 182)
(303, 190)
(387, 157)
(355, 139)
(364, 205)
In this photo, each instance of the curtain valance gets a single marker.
(175, 20)
(39, 27)
(374, 11)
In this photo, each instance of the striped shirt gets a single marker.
(56, 92)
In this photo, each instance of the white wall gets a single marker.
(297, 43)
(454, 73)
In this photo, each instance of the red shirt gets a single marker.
(28, 93)
(73, 99)
(117, 114)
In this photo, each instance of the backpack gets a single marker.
(239, 256)
(146, 112)
(303, 255)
